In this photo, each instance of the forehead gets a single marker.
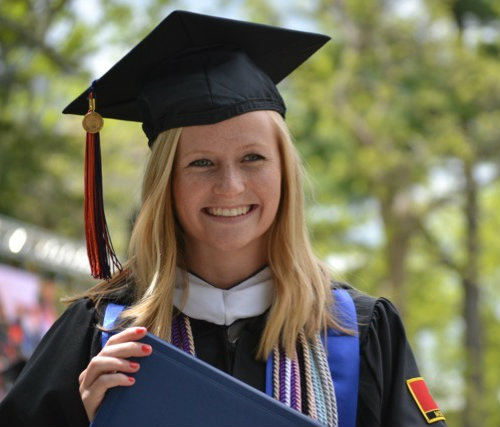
(254, 128)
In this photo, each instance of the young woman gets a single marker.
(220, 256)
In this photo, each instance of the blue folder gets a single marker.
(173, 388)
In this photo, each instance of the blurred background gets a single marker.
(395, 118)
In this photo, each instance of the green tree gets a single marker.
(36, 156)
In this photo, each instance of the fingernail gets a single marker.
(131, 380)
(134, 365)
(140, 330)
(146, 348)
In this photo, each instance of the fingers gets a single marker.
(110, 368)
(92, 396)
(101, 365)
(112, 357)
(129, 334)
(126, 349)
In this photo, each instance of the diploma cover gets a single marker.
(174, 389)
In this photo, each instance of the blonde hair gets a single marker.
(303, 295)
(153, 248)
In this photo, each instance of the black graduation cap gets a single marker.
(192, 69)
(199, 69)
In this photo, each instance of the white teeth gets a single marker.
(229, 212)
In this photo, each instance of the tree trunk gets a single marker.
(398, 226)
(473, 345)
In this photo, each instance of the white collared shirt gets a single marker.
(249, 298)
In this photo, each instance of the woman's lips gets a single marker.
(229, 212)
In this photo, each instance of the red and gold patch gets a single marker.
(430, 410)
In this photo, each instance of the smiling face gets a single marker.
(226, 183)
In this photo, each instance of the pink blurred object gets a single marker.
(19, 292)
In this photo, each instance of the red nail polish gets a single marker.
(146, 348)
(131, 380)
(140, 330)
(134, 365)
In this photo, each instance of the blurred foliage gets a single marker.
(399, 110)
(36, 158)
(397, 121)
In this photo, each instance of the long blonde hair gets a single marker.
(302, 298)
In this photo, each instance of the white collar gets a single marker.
(249, 298)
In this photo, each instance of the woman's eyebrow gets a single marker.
(202, 151)
(254, 144)
(196, 151)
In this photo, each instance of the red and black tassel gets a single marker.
(102, 257)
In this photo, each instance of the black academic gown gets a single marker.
(46, 393)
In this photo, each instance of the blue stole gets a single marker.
(342, 352)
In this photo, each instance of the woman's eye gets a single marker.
(253, 157)
(201, 163)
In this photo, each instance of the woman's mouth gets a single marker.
(229, 212)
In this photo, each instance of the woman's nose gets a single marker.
(229, 182)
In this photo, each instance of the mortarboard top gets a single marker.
(199, 69)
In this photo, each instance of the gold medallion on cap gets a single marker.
(92, 122)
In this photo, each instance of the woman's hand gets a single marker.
(110, 367)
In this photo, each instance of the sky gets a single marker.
(90, 10)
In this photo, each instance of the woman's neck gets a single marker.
(223, 270)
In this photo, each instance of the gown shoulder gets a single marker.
(46, 392)
(387, 364)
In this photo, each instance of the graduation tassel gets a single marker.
(102, 257)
